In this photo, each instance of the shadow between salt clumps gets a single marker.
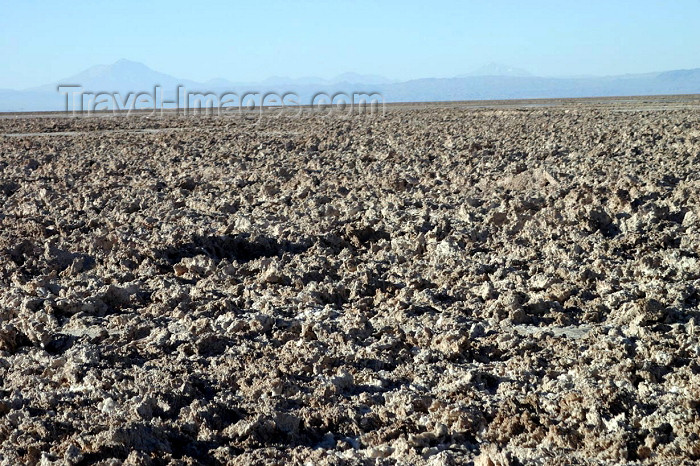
(241, 247)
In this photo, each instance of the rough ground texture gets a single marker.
(441, 285)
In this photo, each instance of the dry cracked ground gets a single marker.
(439, 285)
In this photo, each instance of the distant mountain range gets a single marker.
(493, 81)
(497, 69)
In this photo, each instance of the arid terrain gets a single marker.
(488, 283)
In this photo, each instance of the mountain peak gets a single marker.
(128, 65)
(121, 76)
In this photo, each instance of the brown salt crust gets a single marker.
(438, 285)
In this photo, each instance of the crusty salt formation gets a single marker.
(438, 285)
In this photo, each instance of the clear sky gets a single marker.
(44, 41)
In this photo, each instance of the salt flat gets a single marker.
(497, 282)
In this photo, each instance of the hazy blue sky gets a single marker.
(43, 41)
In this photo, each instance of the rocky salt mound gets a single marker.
(440, 285)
